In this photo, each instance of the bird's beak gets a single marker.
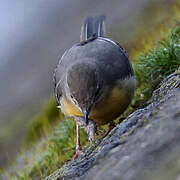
(86, 114)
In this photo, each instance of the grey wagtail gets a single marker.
(94, 80)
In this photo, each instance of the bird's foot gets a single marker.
(78, 153)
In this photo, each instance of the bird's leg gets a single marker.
(78, 147)
(111, 126)
(78, 138)
(80, 121)
(90, 128)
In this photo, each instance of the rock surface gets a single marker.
(144, 146)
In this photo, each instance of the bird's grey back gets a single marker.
(107, 56)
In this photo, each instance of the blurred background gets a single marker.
(33, 36)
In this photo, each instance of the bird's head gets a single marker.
(83, 86)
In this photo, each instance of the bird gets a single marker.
(94, 81)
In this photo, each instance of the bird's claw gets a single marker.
(78, 153)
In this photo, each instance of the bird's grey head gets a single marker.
(84, 86)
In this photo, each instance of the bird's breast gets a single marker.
(70, 109)
(107, 108)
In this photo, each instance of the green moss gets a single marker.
(42, 122)
(51, 151)
(153, 66)
(145, 121)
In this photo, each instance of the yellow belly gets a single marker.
(106, 110)
(70, 109)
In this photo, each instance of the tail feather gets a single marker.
(86, 29)
(92, 26)
(99, 26)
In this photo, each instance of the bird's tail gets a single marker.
(92, 26)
